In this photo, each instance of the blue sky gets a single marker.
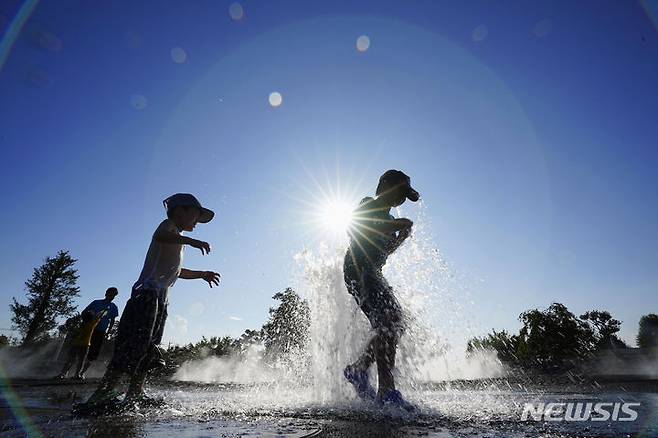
(529, 128)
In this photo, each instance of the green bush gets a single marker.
(553, 339)
(647, 335)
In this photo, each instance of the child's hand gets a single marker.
(201, 245)
(404, 233)
(405, 223)
(211, 277)
(401, 236)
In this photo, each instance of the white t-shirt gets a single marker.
(163, 262)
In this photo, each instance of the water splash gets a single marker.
(338, 329)
(432, 349)
(246, 369)
(435, 302)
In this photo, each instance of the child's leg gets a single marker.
(97, 339)
(82, 357)
(386, 315)
(136, 386)
(70, 358)
(128, 344)
(386, 346)
(381, 348)
(368, 356)
(109, 381)
(85, 367)
(359, 288)
(138, 379)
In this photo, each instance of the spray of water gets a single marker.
(432, 348)
(246, 369)
(30, 362)
(434, 300)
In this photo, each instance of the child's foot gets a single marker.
(101, 402)
(146, 401)
(103, 396)
(142, 401)
(359, 379)
(157, 361)
(394, 398)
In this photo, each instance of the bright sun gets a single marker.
(336, 216)
(328, 207)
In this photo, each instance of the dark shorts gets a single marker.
(375, 297)
(140, 331)
(97, 339)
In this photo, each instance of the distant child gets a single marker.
(143, 319)
(80, 343)
(104, 326)
(374, 235)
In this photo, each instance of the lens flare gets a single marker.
(178, 55)
(480, 33)
(363, 43)
(275, 99)
(236, 11)
(138, 101)
(336, 216)
(14, 29)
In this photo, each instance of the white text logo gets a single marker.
(579, 411)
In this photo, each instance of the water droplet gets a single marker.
(480, 33)
(178, 55)
(46, 40)
(276, 99)
(235, 11)
(138, 101)
(363, 43)
(38, 77)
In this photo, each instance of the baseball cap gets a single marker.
(395, 177)
(186, 199)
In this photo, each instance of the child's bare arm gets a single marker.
(212, 278)
(394, 225)
(399, 239)
(109, 327)
(169, 237)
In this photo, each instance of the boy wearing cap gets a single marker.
(143, 319)
(374, 235)
(104, 326)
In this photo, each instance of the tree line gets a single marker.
(550, 339)
(52, 288)
(555, 339)
(283, 338)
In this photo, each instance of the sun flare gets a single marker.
(336, 216)
(327, 202)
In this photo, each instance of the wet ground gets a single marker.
(484, 409)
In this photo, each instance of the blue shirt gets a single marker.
(112, 312)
